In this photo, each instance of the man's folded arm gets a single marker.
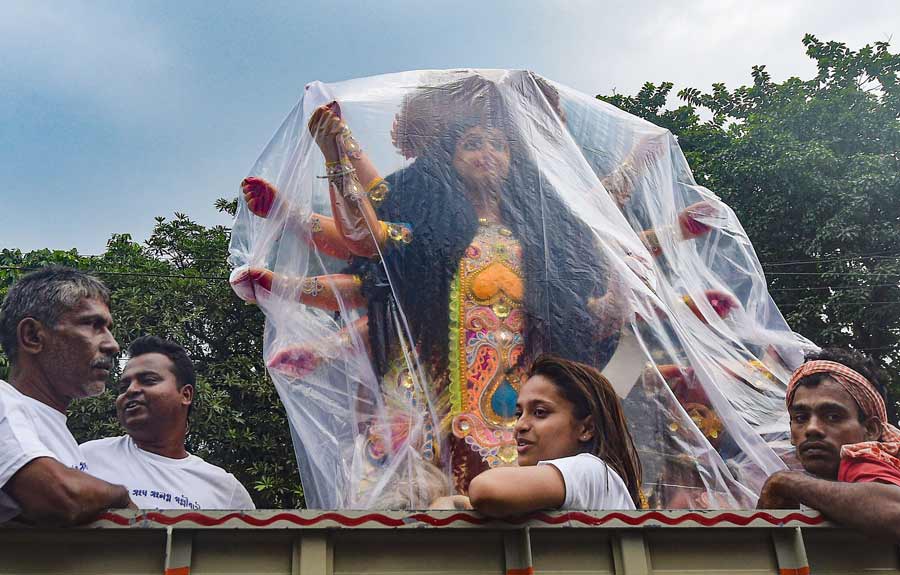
(51, 494)
(870, 507)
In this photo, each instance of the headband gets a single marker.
(859, 388)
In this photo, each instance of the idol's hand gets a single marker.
(451, 502)
(297, 360)
(690, 222)
(259, 195)
(246, 282)
(610, 312)
(302, 359)
(328, 129)
(722, 303)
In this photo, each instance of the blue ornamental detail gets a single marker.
(504, 400)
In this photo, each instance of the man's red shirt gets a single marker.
(860, 470)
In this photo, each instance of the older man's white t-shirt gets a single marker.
(591, 483)
(157, 482)
(30, 429)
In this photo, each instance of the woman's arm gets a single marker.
(506, 491)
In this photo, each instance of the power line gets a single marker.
(221, 260)
(885, 254)
(764, 264)
(225, 278)
(833, 287)
(840, 274)
(134, 274)
(828, 260)
(836, 303)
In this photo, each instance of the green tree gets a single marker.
(175, 286)
(812, 169)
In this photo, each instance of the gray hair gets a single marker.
(45, 295)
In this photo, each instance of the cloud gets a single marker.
(130, 109)
(103, 57)
(713, 24)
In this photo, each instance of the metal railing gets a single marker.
(445, 542)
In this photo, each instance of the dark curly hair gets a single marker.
(562, 268)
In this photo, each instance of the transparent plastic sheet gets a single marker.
(398, 340)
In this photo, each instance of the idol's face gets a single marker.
(481, 157)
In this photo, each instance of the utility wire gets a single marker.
(827, 260)
(215, 260)
(860, 302)
(134, 274)
(221, 260)
(226, 278)
(764, 264)
(830, 274)
(833, 287)
(872, 255)
(875, 348)
(878, 254)
(841, 274)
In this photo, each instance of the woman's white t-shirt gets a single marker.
(591, 483)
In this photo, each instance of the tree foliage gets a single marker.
(175, 286)
(812, 169)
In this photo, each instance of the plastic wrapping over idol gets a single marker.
(416, 239)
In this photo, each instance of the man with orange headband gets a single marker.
(848, 449)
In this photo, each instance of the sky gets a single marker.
(115, 112)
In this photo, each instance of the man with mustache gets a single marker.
(55, 329)
(156, 394)
(847, 448)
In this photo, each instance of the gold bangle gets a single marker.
(378, 190)
(351, 146)
(397, 232)
(350, 190)
(312, 286)
(337, 171)
(343, 161)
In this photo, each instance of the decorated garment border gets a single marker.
(150, 519)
